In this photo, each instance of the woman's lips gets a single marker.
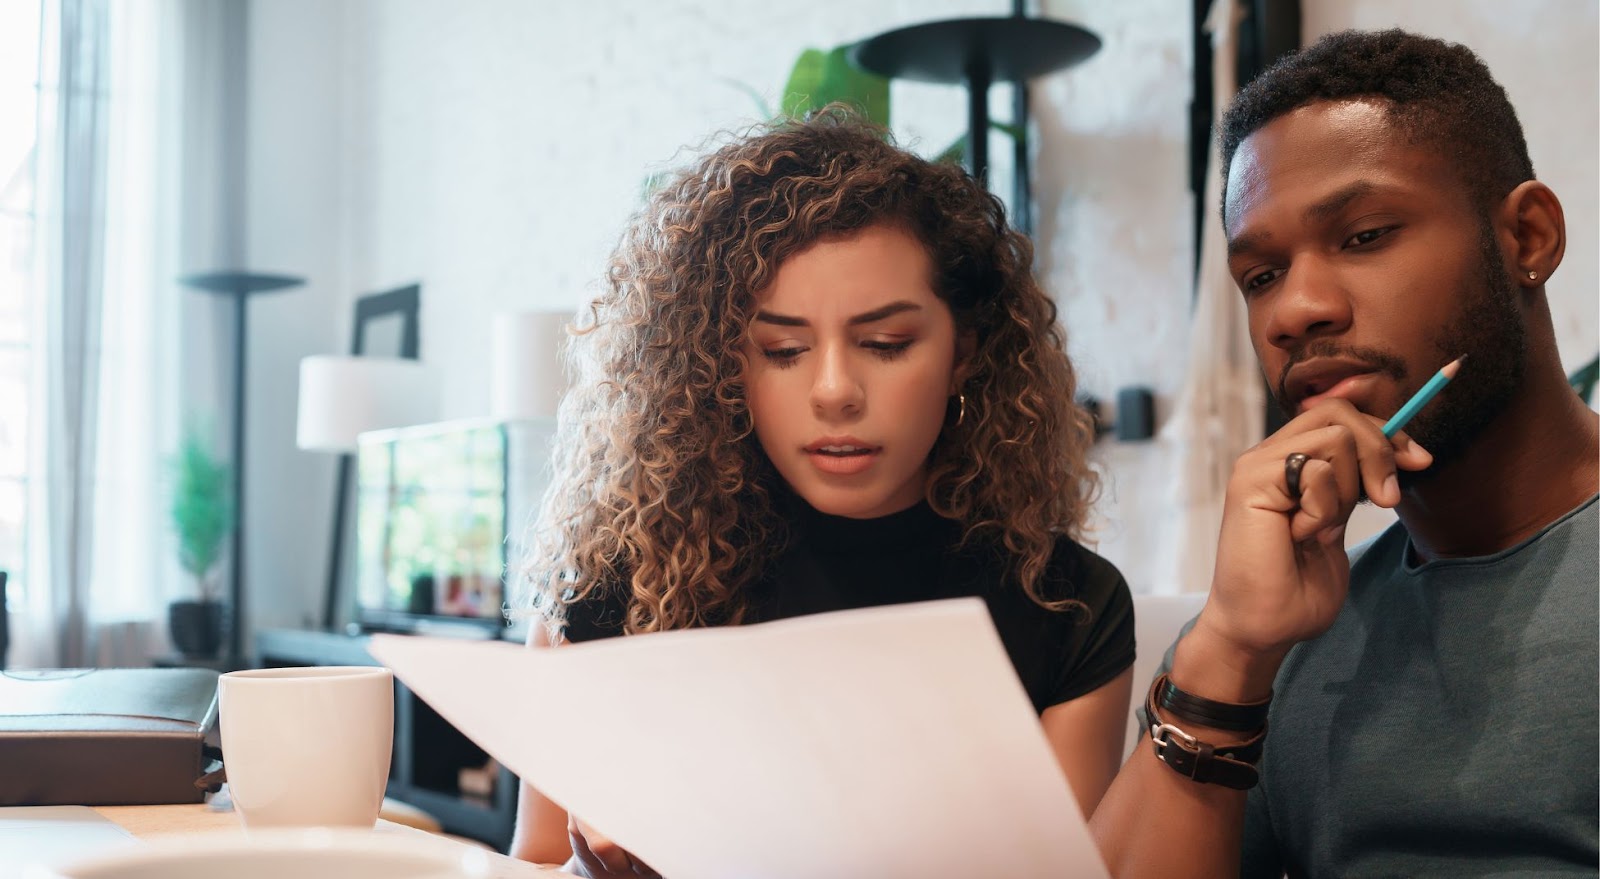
(842, 463)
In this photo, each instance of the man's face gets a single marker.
(1365, 267)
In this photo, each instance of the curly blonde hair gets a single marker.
(660, 487)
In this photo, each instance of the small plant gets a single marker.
(822, 77)
(202, 509)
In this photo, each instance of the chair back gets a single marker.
(1157, 620)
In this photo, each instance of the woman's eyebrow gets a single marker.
(866, 317)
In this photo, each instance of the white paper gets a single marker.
(887, 742)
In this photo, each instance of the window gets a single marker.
(19, 91)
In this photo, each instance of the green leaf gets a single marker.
(805, 82)
(821, 78)
(650, 184)
(956, 153)
(1016, 131)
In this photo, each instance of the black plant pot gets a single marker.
(196, 627)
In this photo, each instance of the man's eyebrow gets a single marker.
(1316, 213)
(1247, 241)
(866, 317)
(1339, 200)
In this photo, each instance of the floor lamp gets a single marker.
(238, 286)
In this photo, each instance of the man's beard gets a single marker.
(1488, 326)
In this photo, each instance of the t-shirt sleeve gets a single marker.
(1107, 647)
(1259, 854)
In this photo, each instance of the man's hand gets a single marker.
(1282, 573)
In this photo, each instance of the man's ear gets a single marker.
(1537, 228)
(966, 349)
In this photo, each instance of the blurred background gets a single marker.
(198, 195)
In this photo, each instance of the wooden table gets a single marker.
(157, 821)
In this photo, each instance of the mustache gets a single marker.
(1379, 360)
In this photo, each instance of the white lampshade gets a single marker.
(526, 379)
(343, 397)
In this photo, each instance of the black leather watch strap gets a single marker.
(1230, 766)
(1230, 716)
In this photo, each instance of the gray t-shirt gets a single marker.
(1446, 724)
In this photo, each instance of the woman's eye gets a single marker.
(782, 357)
(1367, 236)
(887, 350)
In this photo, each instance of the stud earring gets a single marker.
(1533, 276)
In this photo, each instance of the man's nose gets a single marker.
(1311, 303)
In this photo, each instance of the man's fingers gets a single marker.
(1377, 456)
(1322, 501)
(1409, 454)
(1335, 447)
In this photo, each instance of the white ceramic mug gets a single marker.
(307, 746)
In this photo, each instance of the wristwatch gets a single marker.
(1230, 765)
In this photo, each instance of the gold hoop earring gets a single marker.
(961, 409)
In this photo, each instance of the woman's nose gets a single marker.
(835, 389)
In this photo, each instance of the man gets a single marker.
(1432, 694)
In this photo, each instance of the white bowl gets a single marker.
(309, 853)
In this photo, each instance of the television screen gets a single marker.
(431, 524)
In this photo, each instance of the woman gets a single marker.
(821, 376)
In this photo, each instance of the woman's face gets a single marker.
(853, 361)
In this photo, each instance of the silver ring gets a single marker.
(1292, 466)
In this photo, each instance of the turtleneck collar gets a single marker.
(912, 527)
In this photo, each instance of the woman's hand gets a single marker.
(1282, 574)
(596, 856)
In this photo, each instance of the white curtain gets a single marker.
(1219, 412)
(115, 202)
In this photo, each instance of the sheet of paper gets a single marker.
(886, 742)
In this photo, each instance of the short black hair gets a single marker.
(1440, 95)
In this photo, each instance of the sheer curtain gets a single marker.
(115, 200)
(1219, 413)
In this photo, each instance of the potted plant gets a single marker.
(202, 513)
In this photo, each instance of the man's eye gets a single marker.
(1367, 236)
(1257, 281)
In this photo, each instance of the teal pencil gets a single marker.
(1421, 398)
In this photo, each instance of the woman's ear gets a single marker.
(966, 349)
(1537, 227)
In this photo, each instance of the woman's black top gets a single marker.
(834, 563)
